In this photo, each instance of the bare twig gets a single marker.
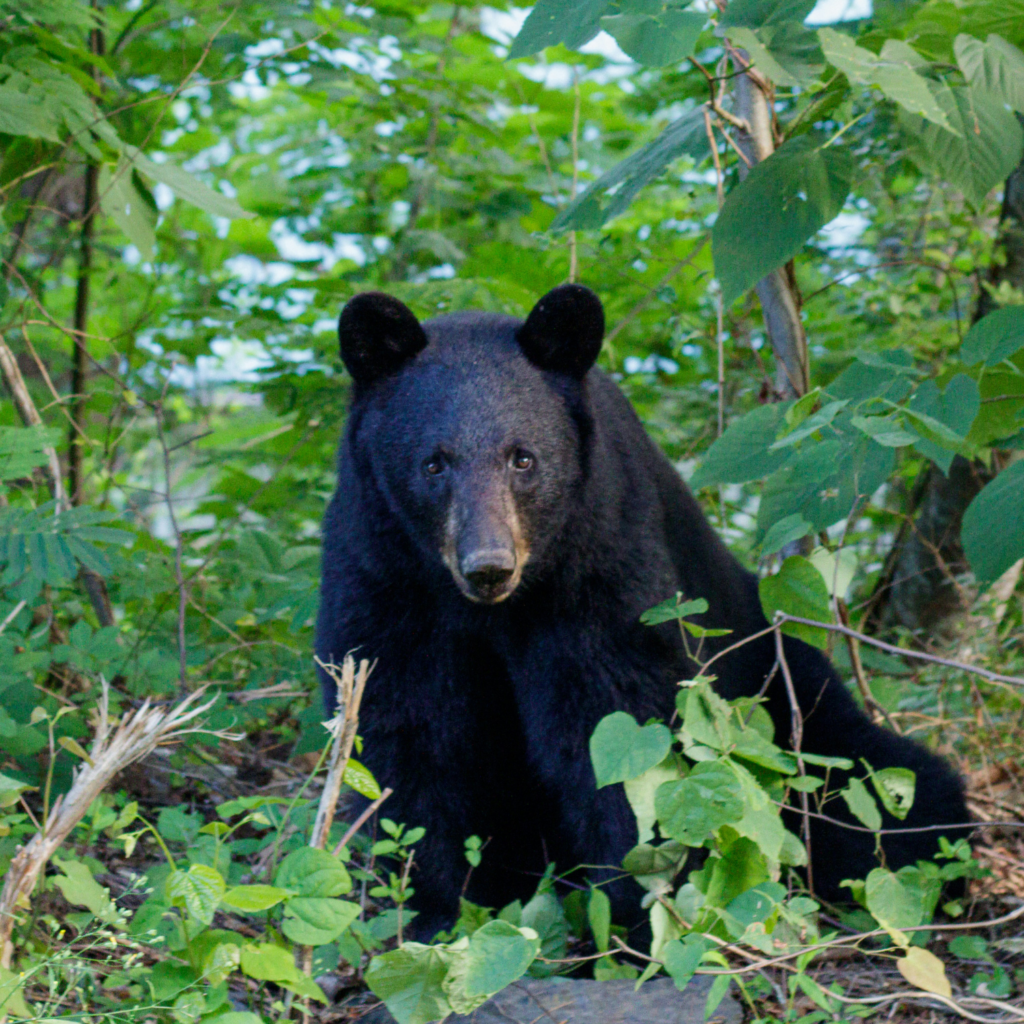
(356, 825)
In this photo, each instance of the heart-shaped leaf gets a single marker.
(620, 749)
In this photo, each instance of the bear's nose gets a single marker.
(488, 570)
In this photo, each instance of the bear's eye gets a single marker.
(522, 460)
(434, 466)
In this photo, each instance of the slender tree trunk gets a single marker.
(80, 354)
(918, 588)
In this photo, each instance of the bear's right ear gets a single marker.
(564, 330)
(378, 334)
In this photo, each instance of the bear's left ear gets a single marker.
(378, 334)
(564, 330)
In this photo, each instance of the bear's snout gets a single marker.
(489, 572)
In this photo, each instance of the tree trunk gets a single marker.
(918, 587)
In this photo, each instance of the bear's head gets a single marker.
(473, 427)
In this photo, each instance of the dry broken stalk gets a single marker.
(137, 734)
(343, 727)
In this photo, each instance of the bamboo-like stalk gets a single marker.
(137, 734)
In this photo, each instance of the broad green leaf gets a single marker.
(682, 957)
(497, 955)
(742, 866)
(640, 794)
(895, 788)
(969, 947)
(797, 589)
(790, 196)
(743, 452)
(956, 408)
(253, 898)
(686, 136)
(12, 994)
(312, 872)
(892, 72)
(270, 962)
(361, 779)
(925, 970)
(993, 526)
(82, 890)
(893, 903)
(11, 789)
(785, 531)
(198, 890)
(572, 22)
(673, 609)
(786, 53)
(822, 761)
(983, 147)
(755, 13)
(692, 808)
(409, 980)
(665, 36)
(862, 805)
(620, 749)
(317, 920)
(995, 66)
(543, 913)
(995, 337)
(120, 199)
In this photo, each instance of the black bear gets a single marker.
(501, 521)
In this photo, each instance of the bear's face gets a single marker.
(471, 429)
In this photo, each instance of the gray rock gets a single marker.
(577, 1001)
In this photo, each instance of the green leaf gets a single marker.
(811, 425)
(682, 957)
(199, 890)
(885, 430)
(895, 788)
(410, 981)
(893, 904)
(797, 589)
(497, 955)
(993, 526)
(743, 452)
(620, 749)
(81, 889)
(121, 200)
(788, 54)
(969, 947)
(755, 13)
(543, 913)
(317, 920)
(251, 899)
(361, 779)
(12, 994)
(924, 969)
(985, 148)
(995, 337)
(599, 914)
(686, 136)
(692, 808)
(956, 408)
(790, 196)
(666, 36)
(995, 66)
(572, 22)
(823, 761)
(312, 872)
(640, 794)
(673, 609)
(270, 962)
(187, 187)
(787, 530)
(893, 72)
(862, 804)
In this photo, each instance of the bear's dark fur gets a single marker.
(501, 522)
